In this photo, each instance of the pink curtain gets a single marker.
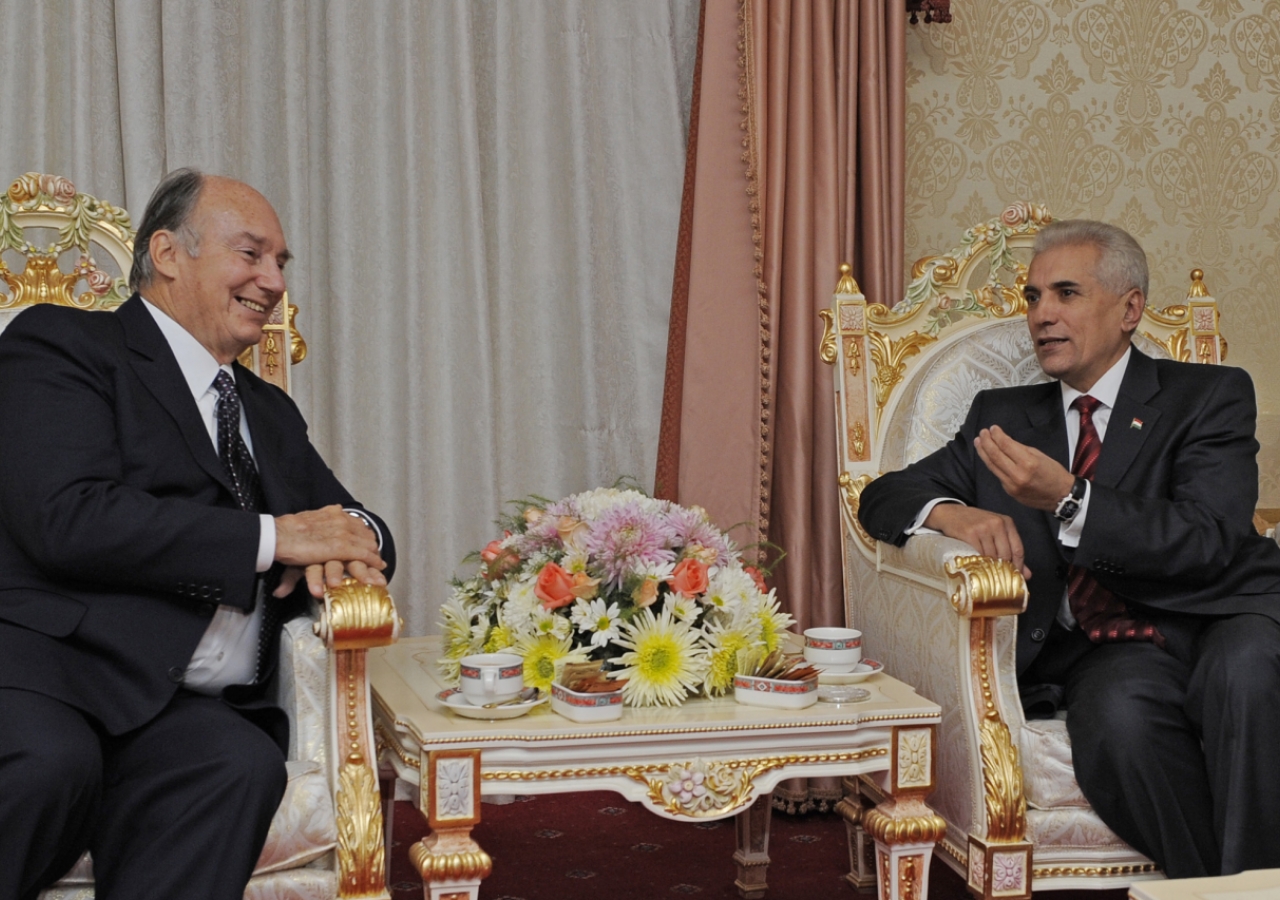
(796, 164)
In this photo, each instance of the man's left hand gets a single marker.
(1027, 475)
(328, 575)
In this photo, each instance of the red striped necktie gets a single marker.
(1103, 616)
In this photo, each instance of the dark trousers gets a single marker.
(1179, 757)
(178, 808)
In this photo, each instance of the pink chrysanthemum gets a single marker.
(690, 526)
(626, 538)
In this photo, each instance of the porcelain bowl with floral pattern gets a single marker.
(775, 692)
(585, 707)
(833, 646)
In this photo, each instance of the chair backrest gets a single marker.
(54, 239)
(905, 375)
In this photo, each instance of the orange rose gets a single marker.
(690, 577)
(757, 578)
(498, 561)
(554, 587)
(585, 587)
(532, 515)
(645, 593)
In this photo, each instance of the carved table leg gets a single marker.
(752, 855)
(904, 828)
(862, 849)
(452, 865)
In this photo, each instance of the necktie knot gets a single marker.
(1084, 404)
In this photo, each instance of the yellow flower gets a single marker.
(725, 644)
(544, 655)
(771, 621)
(500, 638)
(664, 662)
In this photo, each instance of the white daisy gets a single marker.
(596, 619)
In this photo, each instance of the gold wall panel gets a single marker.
(1162, 116)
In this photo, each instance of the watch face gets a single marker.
(1067, 510)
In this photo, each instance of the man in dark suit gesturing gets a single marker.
(161, 513)
(1125, 492)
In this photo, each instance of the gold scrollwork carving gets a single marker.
(909, 868)
(890, 358)
(988, 586)
(471, 865)
(1176, 346)
(858, 440)
(1094, 871)
(1171, 315)
(1004, 301)
(1002, 783)
(851, 492)
(853, 353)
(360, 848)
(357, 616)
(724, 788)
(297, 346)
(904, 822)
(828, 349)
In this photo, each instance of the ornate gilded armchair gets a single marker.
(326, 840)
(940, 616)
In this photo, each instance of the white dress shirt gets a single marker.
(228, 652)
(1105, 391)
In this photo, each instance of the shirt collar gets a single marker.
(198, 365)
(1105, 390)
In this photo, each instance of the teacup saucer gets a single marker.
(862, 672)
(459, 704)
(835, 668)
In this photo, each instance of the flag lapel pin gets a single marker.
(1136, 424)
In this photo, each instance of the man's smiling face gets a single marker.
(226, 292)
(1080, 326)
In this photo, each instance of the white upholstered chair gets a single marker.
(940, 616)
(326, 840)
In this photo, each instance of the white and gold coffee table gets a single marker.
(737, 753)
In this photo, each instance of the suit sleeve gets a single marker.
(65, 491)
(891, 503)
(1199, 510)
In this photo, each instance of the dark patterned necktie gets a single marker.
(1103, 616)
(247, 488)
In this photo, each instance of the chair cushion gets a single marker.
(1048, 779)
(303, 829)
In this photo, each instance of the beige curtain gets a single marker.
(482, 197)
(798, 165)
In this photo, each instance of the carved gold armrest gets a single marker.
(352, 618)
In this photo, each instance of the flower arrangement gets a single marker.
(651, 588)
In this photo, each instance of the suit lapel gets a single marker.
(1132, 420)
(154, 364)
(266, 442)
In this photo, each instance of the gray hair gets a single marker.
(169, 209)
(1122, 264)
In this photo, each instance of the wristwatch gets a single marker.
(1069, 505)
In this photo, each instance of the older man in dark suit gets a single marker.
(1127, 489)
(161, 513)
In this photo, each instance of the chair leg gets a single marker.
(752, 855)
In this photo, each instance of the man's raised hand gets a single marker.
(1026, 474)
(991, 534)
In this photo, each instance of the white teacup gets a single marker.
(491, 677)
(833, 646)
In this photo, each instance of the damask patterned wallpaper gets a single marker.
(1162, 116)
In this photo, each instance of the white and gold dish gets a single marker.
(833, 646)
(580, 706)
(775, 692)
(490, 677)
(861, 672)
(456, 702)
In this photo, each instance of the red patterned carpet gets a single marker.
(597, 845)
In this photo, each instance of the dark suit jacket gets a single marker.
(1169, 525)
(119, 534)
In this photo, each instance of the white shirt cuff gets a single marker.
(368, 520)
(1069, 532)
(266, 543)
(917, 527)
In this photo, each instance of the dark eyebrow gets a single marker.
(1065, 283)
